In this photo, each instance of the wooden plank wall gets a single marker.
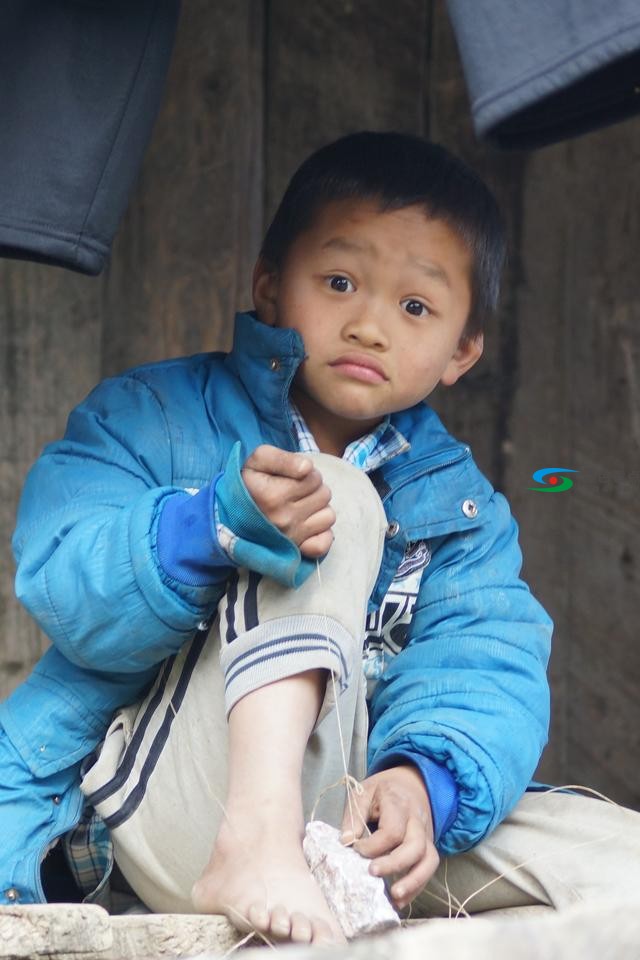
(254, 87)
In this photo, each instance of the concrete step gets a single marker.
(82, 932)
(606, 931)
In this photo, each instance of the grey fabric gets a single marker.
(539, 71)
(81, 85)
(554, 849)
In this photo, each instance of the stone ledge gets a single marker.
(606, 931)
(82, 932)
(52, 930)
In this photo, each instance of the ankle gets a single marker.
(274, 827)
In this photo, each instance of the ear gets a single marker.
(467, 353)
(265, 290)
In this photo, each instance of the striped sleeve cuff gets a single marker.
(281, 648)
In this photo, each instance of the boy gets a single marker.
(180, 520)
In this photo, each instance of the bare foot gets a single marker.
(261, 881)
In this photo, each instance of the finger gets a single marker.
(281, 463)
(291, 519)
(279, 489)
(357, 812)
(409, 886)
(392, 825)
(296, 490)
(316, 547)
(311, 493)
(321, 521)
(406, 854)
(275, 492)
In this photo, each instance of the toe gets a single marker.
(258, 917)
(280, 921)
(301, 929)
(323, 934)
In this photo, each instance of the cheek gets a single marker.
(419, 376)
(295, 304)
(418, 364)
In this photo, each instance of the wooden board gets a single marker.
(182, 259)
(337, 67)
(560, 386)
(180, 268)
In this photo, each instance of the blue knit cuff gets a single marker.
(438, 779)
(257, 543)
(188, 549)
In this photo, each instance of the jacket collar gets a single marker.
(265, 359)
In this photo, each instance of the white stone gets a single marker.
(83, 932)
(357, 899)
(53, 929)
(163, 935)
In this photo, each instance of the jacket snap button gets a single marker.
(57, 800)
(275, 364)
(12, 894)
(392, 529)
(470, 509)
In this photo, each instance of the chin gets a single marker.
(360, 416)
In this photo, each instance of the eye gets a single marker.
(341, 284)
(416, 308)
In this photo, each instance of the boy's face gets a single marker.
(380, 300)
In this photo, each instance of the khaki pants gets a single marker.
(160, 780)
(555, 849)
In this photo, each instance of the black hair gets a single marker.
(399, 170)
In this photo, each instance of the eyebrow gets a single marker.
(341, 243)
(431, 270)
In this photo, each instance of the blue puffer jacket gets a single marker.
(469, 689)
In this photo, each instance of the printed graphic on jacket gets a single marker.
(387, 628)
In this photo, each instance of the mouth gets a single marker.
(358, 366)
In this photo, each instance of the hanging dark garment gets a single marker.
(80, 87)
(539, 71)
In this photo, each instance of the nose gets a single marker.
(366, 328)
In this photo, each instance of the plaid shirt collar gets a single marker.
(367, 452)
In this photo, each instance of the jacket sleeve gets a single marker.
(469, 690)
(85, 541)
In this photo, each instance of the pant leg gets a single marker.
(161, 778)
(48, 724)
(555, 849)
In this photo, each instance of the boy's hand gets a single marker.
(289, 490)
(403, 841)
